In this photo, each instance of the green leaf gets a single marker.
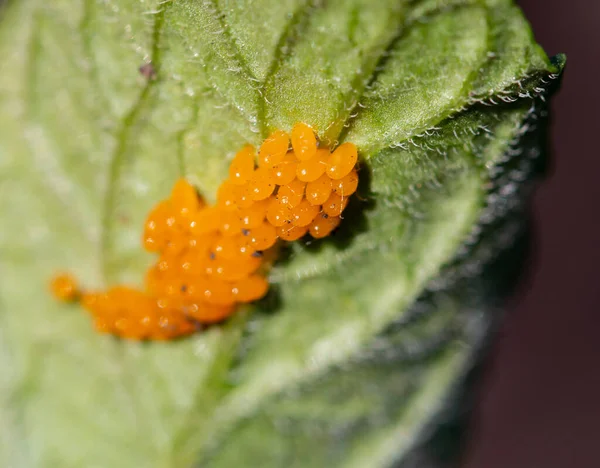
(355, 357)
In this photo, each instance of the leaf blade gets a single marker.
(64, 97)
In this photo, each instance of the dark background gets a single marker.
(540, 401)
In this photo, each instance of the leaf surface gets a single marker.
(435, 93)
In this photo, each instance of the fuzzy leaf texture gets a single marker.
(359, 355)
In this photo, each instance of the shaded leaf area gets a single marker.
(434, 93)
(483, 273)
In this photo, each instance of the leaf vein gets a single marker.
(284, 48)
(219, 15)
(380, 64)
(124, 135)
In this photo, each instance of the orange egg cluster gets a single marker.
(212, 257)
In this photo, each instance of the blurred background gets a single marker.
(539, 403)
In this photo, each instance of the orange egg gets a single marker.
(177, 243)
(323, 225)
(160, 323)
(208, 313)
(92, 301)
(164, 283)
(103, 325)
(250, 288)
(126, 297)
(342, 161)
(261, 184)
(170, 327)
(153, 280)
(291, 233)
(231, 196)
(218, 292)
(227, 195)
(200, 244)
(156, 227)
(234, 270)
(284, 172)
(273, 149)
(251, 217)
(206, 221)
(263, 236)
(64, 287)
(123, 326)
(226, 247)
(184, 199)
(260, 206)
(242, 166)
(303, 141)
(195, 261)
(243, 196)
(244, 245)
(230, 223)
(194, 292)
(304, 213)
(347, 185)
(318, 191)
(291, 194)
(311, 169)
(335, 205)
(278, 213)
(169, 304)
